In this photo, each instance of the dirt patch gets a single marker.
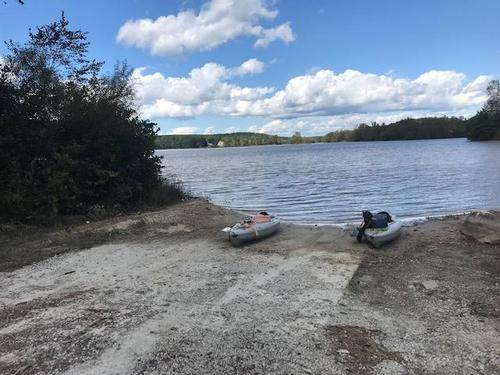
(30, 244)
(435, 295)
(67, 337)
(358, 349)
(21, 251)
(27, 309)
(486, 310)
(49, 335)
(8, 344)
(436, 265)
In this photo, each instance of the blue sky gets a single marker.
(284, 66)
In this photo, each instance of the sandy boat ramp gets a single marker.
(165, 293)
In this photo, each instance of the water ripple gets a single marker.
(332, 183)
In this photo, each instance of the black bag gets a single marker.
(379, 220)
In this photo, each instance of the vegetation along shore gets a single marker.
(71, 139)
(484, 126)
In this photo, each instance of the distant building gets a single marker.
(221, 144)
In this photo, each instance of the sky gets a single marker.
(280, 66)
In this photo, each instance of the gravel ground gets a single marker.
(165, 293)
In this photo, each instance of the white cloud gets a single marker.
(204, 91)
(207, 91)
(251, 66)
(327, 93)
(184, 130)
(217, 22)
(209, 130)
(282, 32)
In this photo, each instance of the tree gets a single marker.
(69, 138)
(485, 125)
(296, 138)
(493, 102)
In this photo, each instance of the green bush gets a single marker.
(69, 138)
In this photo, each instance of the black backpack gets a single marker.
(379, 220)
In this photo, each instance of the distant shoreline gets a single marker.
(315, 143)
(406, 129)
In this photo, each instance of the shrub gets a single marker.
(71, 139)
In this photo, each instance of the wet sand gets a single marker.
(164, 292)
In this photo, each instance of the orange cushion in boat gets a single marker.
(259, 218)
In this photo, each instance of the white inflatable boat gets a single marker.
(379, 229)
(252, 228)
(380, 236)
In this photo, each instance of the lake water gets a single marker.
(332, 183)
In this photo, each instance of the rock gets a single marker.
(483, 226)
(429, 284)
(343, 351)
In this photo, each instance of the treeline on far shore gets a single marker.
(407, 129)
(217, 140)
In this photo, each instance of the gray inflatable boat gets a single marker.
(380, 236)
(252, 228)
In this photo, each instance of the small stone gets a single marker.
(343, 351)
(429, 284)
